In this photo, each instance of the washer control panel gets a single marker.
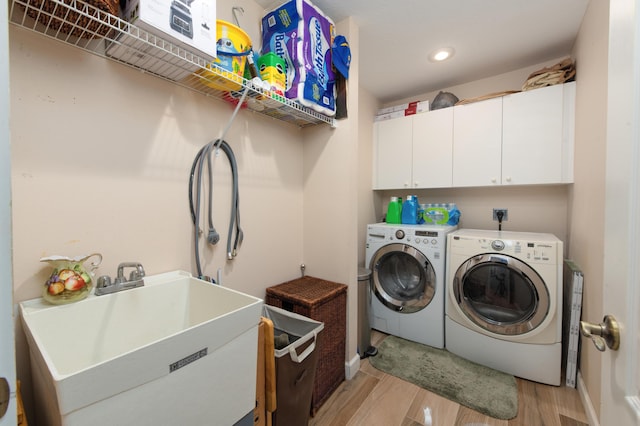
(414, 235)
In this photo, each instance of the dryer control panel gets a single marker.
(524, 250)
(539, 248)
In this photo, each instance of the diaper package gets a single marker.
(302, 35)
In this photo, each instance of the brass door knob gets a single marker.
(606, 334)
(5, 395)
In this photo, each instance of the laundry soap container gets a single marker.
(410, 210)
(394, 210)
(295, 339)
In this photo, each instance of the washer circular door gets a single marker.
(403, 278)
(501, 294)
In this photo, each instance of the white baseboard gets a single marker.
(592, 418)
(352, 367)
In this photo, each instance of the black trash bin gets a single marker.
(296, 360)
(364, 306)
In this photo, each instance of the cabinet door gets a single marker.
(477, 140)
(533, 146)
(433, 149)
(392, 153)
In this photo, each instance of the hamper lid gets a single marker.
(307, 290)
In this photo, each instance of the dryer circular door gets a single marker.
(501, 294)
(403, 278)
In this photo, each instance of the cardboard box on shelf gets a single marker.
(419, 106)
(186, 24)
(411, 109)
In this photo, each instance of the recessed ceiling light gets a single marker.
(442, 54)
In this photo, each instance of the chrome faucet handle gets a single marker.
(136, 274)
(105, 286)
(103, 281)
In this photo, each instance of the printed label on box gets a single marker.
(190, 24)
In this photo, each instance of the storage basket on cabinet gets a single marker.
(324, 301)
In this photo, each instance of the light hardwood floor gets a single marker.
(375, 398)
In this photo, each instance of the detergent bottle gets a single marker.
(394, 210)
(410, 210)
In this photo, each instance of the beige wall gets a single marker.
(368, 200)
(101, 155)
(330, 196)
(587, 199)
(101, 159)
(507, 81)
(530, 209)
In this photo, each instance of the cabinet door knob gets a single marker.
(493, 180)
(508, 179)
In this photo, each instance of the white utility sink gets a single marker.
(178, 351)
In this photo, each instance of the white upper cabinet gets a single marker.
(537, 136)
(414, 151)
(393, 153)
(520, 139)
(477, 143)
(433, 149)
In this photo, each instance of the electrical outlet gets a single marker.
(505, 216)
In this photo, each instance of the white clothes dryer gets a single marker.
(407, 264)
(504, 301)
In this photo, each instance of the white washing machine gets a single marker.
(407, 264)
(504, 301)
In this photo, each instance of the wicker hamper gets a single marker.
(323, 301)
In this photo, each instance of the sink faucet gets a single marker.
(105, 286)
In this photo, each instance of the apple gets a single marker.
(74, 283)
(56, 288)
(65, 274)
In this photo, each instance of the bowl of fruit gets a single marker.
(70, 279)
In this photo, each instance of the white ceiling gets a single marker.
(490, 37)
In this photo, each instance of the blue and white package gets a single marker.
(302, 35)
(440, 214)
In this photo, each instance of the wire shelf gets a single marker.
(80, 24)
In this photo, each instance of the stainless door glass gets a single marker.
(501, 294)
(403, 278)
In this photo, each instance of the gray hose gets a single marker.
(234, 222)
